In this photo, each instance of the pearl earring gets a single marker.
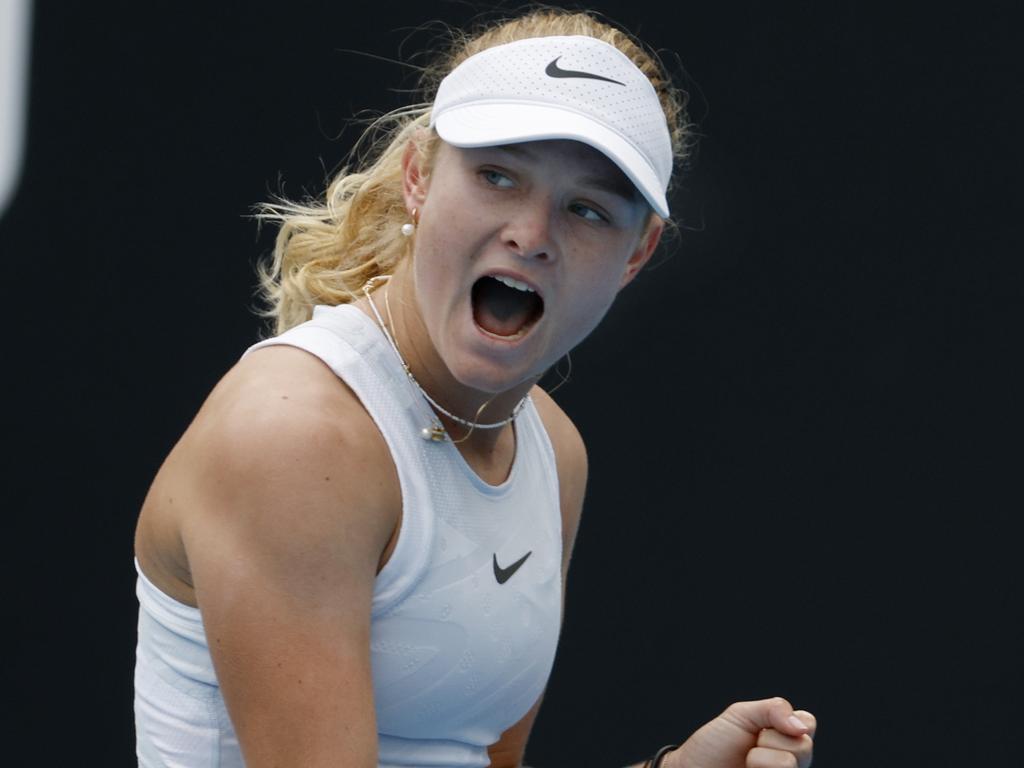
(409, 227)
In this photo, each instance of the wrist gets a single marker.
(659, 759)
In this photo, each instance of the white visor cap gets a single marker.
(574, 87)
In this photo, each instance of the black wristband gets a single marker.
(660, 755)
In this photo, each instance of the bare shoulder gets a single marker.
(565, 437)
(571, 458)
(285, 500)
(281, 409)
(280, 463)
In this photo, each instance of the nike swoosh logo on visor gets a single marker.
(553, 70)
(504, 574)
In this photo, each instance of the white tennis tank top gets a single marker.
(457, 657)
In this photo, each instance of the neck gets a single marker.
(395, 302)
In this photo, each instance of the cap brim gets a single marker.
(489, 125)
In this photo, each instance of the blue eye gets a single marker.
(496, 178)
(586, 212)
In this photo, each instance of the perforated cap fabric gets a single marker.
(573, 87)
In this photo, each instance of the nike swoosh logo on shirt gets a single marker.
(504, 574)
(553, 70)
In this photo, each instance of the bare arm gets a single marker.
(290, 498)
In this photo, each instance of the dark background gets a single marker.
(803, 423)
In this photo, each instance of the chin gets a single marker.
(491, 376)
(492, 381)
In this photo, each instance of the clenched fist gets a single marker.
(750, 734)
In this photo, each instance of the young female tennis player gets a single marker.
(356, 554)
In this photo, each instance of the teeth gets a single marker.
(513, 283)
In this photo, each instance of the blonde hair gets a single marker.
(325, 251)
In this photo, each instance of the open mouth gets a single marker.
(503, 306)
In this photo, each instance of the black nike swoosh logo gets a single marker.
(504, 574)
(553, 70)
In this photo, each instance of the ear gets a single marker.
(415, 174)
(644, 249)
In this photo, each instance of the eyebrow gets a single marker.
(619, 185)
(616, 183)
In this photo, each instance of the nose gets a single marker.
(529, 232)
